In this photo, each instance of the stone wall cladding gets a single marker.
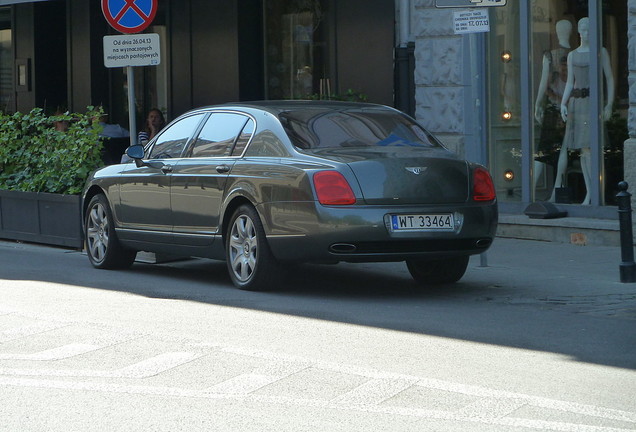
(441, 109)
(439, 94)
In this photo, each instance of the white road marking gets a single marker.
(243, 384)
(374, 392)
(71, 350)
(435, 384)
(59, 353)
(492, 407)
(28, 330)
(315, 403)
(144, 369)
(156, 365)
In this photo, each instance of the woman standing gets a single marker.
(154, 123)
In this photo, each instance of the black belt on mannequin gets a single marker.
(580, 92)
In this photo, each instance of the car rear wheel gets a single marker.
(249, 260)
(440, 271)
(102, 245)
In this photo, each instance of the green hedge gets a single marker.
(34, 157)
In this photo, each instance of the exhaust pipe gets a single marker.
(483, 243)
(342, 248)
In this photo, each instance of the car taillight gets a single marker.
(483, 187)
(333, 189)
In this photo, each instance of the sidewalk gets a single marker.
(584, 231)
(555, 274)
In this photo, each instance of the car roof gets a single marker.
(279, 106)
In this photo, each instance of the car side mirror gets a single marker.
(135, 152)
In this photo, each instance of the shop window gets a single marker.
(296, 44)
(564, 146)
(567, 163)
(6, 60)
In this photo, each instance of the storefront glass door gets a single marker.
(296, 39)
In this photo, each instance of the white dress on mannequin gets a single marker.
(575, 107)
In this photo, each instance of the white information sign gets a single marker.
(471, 21)
(132, 50)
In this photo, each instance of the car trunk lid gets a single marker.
(405, 176)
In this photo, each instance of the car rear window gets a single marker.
(318, 129)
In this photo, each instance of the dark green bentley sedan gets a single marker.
(265, 184)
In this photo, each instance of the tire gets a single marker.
(102, 245)
(440, 271)
(250, 262)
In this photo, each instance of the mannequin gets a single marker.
(575, 106)
(552, 85)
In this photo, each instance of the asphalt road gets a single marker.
(542, 338)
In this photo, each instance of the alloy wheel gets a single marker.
(97, 232)
(243, 248)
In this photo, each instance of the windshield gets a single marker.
(321, 128)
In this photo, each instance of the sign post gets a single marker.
(129, 50)
(471, 22)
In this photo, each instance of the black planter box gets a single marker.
(41, 218)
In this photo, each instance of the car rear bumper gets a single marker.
(309, 232)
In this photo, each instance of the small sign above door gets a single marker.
(468, 3)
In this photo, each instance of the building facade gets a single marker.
(504, 91)
(544, 98)
(213, 51)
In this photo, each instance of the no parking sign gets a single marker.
(129, 16)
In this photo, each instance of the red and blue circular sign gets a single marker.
(129, 16)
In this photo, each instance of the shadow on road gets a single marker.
(481, 308)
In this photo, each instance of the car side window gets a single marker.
(218, 135)
(172, 140)
(244, 138)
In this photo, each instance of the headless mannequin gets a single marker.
(563, 31)
(551, 63)
(569, 103)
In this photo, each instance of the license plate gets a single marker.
(423, 222)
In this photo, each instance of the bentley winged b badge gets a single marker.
(416, 170)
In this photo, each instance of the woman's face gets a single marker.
(154, 118)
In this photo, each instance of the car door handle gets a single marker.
(222, 169)
(166, 169)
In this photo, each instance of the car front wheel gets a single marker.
(249, 260)
(102, 245)
(440, 271)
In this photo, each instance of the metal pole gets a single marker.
(627, 266)
(596, 98)
(132, 110)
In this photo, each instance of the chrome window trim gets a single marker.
(148, 148)
(221, 111)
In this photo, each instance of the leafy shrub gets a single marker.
(34, 157)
